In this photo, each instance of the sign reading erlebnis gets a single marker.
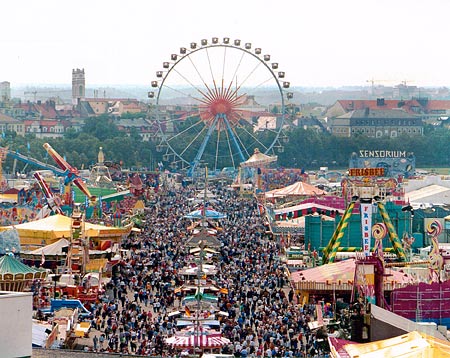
(366, 172)
(366, 226)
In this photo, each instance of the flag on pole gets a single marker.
(224, 290)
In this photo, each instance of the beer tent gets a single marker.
(35, 234)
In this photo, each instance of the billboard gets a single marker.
(395, 163)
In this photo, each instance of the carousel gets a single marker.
(16, 276)
(250, 170)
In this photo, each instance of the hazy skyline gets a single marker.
(317, 43)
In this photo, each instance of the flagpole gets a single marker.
(199, 276)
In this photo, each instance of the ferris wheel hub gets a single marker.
(221, 106)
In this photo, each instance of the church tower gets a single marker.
(78, 86)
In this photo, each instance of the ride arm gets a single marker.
(395, 241)
(51, 202)
(35, 162)
(329, 252)
(72, 174)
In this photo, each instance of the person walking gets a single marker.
(95, 341)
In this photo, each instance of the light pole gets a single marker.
(411, 211)
(55, 279)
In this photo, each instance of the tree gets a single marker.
(102, 127)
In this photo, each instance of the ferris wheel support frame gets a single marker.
(233, 138)
(263, 59)
(200, 152)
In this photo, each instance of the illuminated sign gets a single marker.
(382, 154)
(366, 226)
(366, 172)
(395, 163)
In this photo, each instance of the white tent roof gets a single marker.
(290, 209)
(299, 188)
(410, 345)
(430, 194)
(39, 333)
(52, 249)
(403, 323)
(259, 159)
(205, 193)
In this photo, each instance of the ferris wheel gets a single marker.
(216, 102)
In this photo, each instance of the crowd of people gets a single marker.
(281, 177)
(263, 317)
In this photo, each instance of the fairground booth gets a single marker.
(47, 231)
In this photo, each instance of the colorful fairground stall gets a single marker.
(55, 255)
(16, 276)
(337, 280)
(47, 231)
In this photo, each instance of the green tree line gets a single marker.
(305, 148)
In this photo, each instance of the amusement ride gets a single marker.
(221, 87)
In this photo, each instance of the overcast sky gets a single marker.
(316, 42)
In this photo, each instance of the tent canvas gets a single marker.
(58, 226)
(410, 345)
(208, 213)
(259, 159)
(343, 271)
(53, 249)
(205, 193)
(297, 189)
(306, 206)
(10, 265)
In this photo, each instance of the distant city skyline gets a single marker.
(318, 44)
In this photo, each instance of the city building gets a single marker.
(8, 123)
(5, 92)
(428, 109)
(113, 106)
(144, 127)
(344, 106)
(38, 110)
(46, 128)
(78, 86)
(377, 123)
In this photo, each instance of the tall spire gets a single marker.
(101, 156)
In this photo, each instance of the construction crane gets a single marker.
(34, 93)
(373, 81)
(44, 92)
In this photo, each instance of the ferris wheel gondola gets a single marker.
(215, 104)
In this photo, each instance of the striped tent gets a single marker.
(340, 276)
(201, 339)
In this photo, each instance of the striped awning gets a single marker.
(201, 339)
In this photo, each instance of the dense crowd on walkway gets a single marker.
(264, 319)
